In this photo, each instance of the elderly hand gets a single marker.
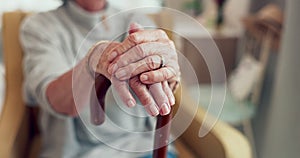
(161, 92)
(148, 51)
(98, 58)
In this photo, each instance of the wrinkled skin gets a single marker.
(139, 55)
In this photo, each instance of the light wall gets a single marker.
(129, 4)
(28, 5)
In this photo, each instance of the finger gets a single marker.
(111, 46)
(98, 53)
(147, 64)
(141, 51)
(144, 96)
(121, 88)
(149, 36)
(129, 42)
(139, 37)
(168, 91)
(159, 75)
(160, 98)
(134, 27)
(174, 82)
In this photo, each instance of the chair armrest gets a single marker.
(14, 109)
(223, 141)
(11, 122)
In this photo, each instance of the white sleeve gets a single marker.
(43, 59)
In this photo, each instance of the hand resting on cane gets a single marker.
(146, 61)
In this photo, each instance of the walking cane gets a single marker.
(97, 109)
(161, 137)
(97, 105)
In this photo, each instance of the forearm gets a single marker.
(71, 92)
(60, 92)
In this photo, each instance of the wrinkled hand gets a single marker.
(161, 92)
(99, 57)
(141, 61)
(146, 48)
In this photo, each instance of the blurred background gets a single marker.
(258, 43)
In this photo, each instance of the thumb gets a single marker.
(134, 27)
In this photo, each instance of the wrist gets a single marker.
(93, 57)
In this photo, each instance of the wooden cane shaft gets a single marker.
(162, 133)
(97, 105)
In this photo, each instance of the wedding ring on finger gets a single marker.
(162, 61)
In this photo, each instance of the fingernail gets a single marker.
(112, 56)
(130, 103)
(165, 109)
(152, 110)
(120, 74)
(172, 100)
(144, 77)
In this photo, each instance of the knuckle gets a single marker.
(162, 33)
(151, 63)
(165, 74)
(121, 63)
(171, 44)
(168, 73)
(133, 38)
(139, 49)
(121, 48)
(130, 68)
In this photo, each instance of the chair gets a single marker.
(17, 127)
(20, 138)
